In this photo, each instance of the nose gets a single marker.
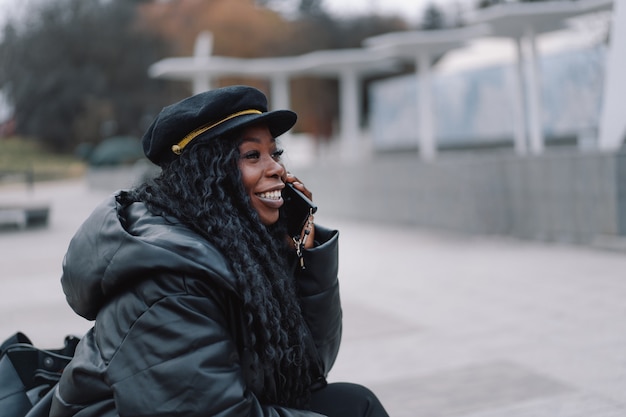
(274, 168)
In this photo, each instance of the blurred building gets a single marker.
(516, 128)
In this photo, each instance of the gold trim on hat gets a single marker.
(178, 148)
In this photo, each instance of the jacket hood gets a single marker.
(121, 243)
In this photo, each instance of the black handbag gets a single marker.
(28, 374)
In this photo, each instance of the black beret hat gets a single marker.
(208, 115)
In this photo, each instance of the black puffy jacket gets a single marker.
(168, 336)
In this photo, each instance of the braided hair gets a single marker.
(203, 189)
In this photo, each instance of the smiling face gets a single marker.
(262, 172)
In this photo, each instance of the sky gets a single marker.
(411, 10)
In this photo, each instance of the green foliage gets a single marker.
(72, 65)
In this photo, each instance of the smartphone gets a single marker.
(297, 209)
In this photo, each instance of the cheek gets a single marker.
(245, 177)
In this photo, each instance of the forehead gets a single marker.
(256, 134)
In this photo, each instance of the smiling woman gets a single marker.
(262, 173)
(201, 307)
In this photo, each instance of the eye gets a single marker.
(251, 155)
(277, 154)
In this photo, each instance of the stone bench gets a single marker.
(23, 213)
(19, 209)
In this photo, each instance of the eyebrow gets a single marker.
(254, 139)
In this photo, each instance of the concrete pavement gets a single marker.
(437, 325)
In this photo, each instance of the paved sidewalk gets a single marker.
(437, 325)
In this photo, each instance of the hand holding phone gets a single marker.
(298, 208)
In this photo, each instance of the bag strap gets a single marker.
(20, 339)
(17, 338)
(38, 370)
(36, 366)
(69, 347)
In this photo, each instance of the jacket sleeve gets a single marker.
(178, 359)
(319, 294)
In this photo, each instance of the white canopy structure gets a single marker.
(612, 129)
(522, 22)
(348, 65)
(424, 47)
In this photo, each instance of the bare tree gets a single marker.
(73, 65)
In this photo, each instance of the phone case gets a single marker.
(297, 209)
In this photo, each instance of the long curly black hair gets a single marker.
(203, 189)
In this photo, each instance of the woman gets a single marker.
(201, 306)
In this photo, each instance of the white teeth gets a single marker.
(271, 195)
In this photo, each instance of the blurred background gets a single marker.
(492, 117)
(470, 152)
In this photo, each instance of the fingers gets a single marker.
(289, 177)
(292, 179)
